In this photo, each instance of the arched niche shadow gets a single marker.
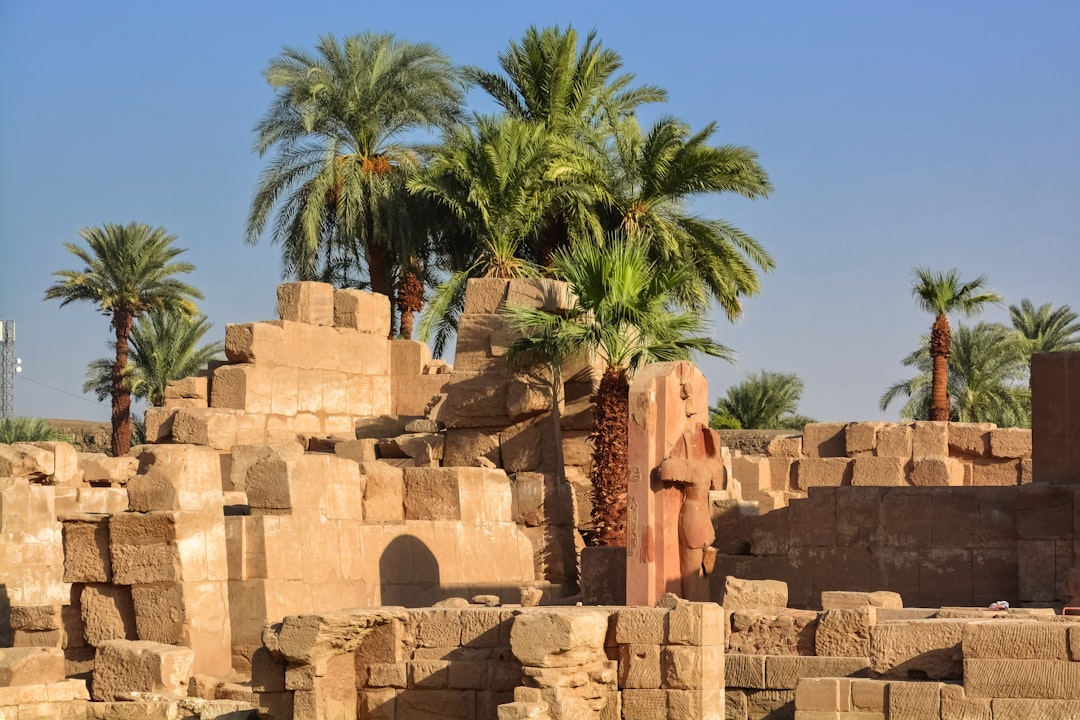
(409, 573)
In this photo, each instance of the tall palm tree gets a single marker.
(129, 270)
(1046, 328)
(987, 378)
(941, 294)
(645, 181)
(624, 311)
(765, 400)
(337, 127)
(164, 347)
(494, 179)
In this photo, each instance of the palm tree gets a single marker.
(494, 180)
(622, 311)
(987, 378)
(941, 294)
(30, 429)
(1046, 328)
(645, 182)
(340, 167)
(164, 347)
(129, 270)
(766, 400)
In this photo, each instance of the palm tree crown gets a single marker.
(1046, 328)
(765, 400)
(941, 294)
(129, 269)
(337, 126)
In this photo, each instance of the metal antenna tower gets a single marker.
(8, 368)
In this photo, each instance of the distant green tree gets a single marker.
(129, 270)
(28, 429)
(765, 400)
(987, 378)
(724, 421)
(941, 294)
(164, 347)
(1046, 328)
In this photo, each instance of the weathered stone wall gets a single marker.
(934, 546)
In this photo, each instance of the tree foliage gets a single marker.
(1046, 328)
(765, 400)
(128, 270)
(29, 429)
(164, 347)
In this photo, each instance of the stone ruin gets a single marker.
(333, 525)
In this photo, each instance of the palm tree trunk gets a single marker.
(121, 397)
(940, 341)
(410, 300)
(609, 474)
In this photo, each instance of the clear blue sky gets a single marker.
(896, 134)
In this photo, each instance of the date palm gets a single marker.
(337, 128)
(765, 400)
(987, 378)
(624, 310)
(942, 294)
(164, 347)
(1046, 328)
(128, 271)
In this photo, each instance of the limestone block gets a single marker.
(314, 639)
(245, 386)
(364, 311)
(160, 613)
(954, 704)
(143, 548)
(823, 472)
(1016, 640)
(158, 423)
(476, 399)
(258, 342)
(789, 446)
(1002, 473)
(187, 478)
(107, 613)
(844, 633)
(550, 638)
(838, 599)
(744, 671)
(752, 472)
(773, 631)
(485, 295)
(741, 593)
(529, 394)
(639, 666)
(306, 302)
(35, 618)
(693, 623)
(860, 438)
(528, 446)
(463, 446)
(824, 440)
(918, 648)
(86, 549)
(545, 293)
(878, 471)
(192, 388)
(936, 471)
(782, 672)
(30, 666)
(34, 463)
(1010, 443)
(210, 427)
(823, 695)
(641, 626)
(894, 441)
(970, 438)
(692, 668)
(101, 468)
(125, 666)
(65, 461)
(868, 695)
(384, 492)
(1045, 679)
(930, 439)
(914, 700)
(408, 357)
(1026, 709)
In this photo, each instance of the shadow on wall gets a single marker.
(409, 573)
(7, 638)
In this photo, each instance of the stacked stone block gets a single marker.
(327, 363)
(33, 686)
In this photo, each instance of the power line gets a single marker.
(22, 376)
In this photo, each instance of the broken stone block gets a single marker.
(924, 649)
(314, 639)
(970, 438)
(639, 666)
(86, 549)
(158, 424)
(740, 593)
(101, 468)
(364, 311)
(1010, 443)
(212, 427)
(844, 632)
(143, 548)
(125, 666)
(107, 613)
(838, 599)
(860, 438)
(311, 303)
(30, 666)
(939, 471)
(773, 631)
(544, 638)
(641, 625)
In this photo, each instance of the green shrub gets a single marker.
(27, 429)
